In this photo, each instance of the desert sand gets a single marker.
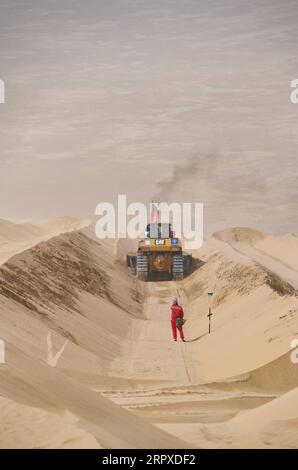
(89, 357)
(17, 237)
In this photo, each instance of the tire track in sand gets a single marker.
(149, 352)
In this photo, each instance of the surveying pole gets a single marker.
(210, 295)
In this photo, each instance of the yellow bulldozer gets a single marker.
(159, 255)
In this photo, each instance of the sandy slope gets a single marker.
(69, 288)
(278, 254)
(269, 422)
(271, 425)
(17, 237)
(282, 248)
(120, 377)
(33, 427)
(50, 389)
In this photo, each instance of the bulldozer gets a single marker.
(159, 255)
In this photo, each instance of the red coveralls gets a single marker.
(176, 311)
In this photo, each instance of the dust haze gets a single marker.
(230, 188)
(111, 99)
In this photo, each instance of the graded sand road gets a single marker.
(150, 352)
(120, 349)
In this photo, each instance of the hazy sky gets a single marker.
(110, 96)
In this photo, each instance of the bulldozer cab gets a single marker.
(159, 230)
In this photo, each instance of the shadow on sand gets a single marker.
(195, 339)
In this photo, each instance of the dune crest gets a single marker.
(17, 237)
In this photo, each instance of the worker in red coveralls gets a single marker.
(176, 312)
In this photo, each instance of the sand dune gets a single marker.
(17, 237)
(244, 235)
(89, 349)
(278, 254)
(255, 314)
(283, 248)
